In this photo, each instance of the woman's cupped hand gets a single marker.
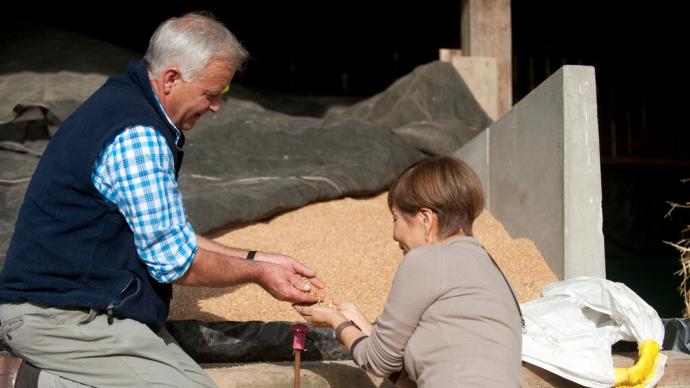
(320, 316)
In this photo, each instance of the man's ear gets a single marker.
(171, 75)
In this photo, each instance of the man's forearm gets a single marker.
(214, 269)
(215, 265)
(210, 245)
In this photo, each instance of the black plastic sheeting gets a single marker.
(253, 341)
(245, 163)
(677, 334)
(676, 337)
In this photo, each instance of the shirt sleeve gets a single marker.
(136, 172)
(415, 287)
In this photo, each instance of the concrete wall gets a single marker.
(540, 167)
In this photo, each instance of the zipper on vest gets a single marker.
(120, 302)
(109, 311)
(111, 306)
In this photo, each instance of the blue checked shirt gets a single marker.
(136, 172)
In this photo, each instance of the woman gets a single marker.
(451, 318)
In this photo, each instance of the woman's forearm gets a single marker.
(349, 334)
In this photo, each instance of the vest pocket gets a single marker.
(129, 293)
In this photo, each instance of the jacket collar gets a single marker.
(139, 73)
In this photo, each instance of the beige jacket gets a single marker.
(450, 321)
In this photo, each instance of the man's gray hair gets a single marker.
(191, 42)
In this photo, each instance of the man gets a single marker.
(103, 233)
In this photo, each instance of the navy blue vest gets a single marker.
(71, 247)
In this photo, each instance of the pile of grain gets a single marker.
(349, 243)
(519, 259)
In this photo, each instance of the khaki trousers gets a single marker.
(77, 348)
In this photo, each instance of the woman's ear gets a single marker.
(428, 217)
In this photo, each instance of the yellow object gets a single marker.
(639, 374)
(227, 89)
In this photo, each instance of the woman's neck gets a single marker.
(442, 240)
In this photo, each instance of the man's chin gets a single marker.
(188, 125)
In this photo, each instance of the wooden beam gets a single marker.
(676, 372)
(486, 31)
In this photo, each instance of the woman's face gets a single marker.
(408, 231)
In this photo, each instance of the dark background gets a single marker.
(359, 48)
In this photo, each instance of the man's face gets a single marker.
(189, 100)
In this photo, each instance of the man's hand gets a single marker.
(292, 265)
(215, 265)
(285, 284)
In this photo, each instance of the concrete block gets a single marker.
(313, 374)
(345, 374)
(481, 76)
(476, 154)
(540, 167)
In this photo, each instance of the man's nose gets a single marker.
(214, 107)
(215, 104)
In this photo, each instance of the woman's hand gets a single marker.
(320, 315)
(352, 313)
(348, 309)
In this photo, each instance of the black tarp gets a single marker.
(247, 162)
(254, 341)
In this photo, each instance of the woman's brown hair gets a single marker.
(447, 186)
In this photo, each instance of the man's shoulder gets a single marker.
(144, 135)
(112, 104)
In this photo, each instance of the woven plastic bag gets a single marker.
(570, 331)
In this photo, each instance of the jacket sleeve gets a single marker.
(416, 286)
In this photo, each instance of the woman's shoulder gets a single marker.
(451, 249)
(453, 244)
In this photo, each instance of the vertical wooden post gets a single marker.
(298, 361)
(486, 31)
(299, 341)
